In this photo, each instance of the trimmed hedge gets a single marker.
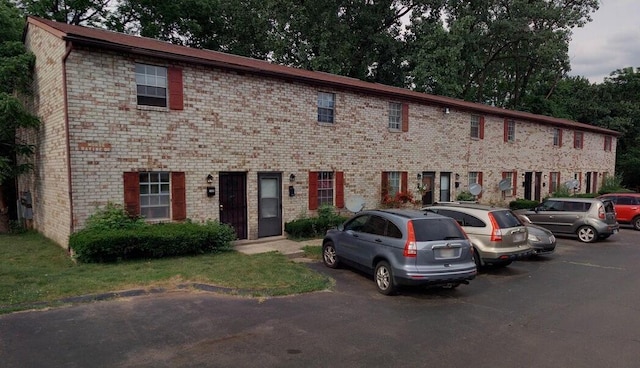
(520, 204)
(313, 227)
(150, 241)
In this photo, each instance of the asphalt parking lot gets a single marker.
(575, 308)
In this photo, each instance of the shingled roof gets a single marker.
(103, 39)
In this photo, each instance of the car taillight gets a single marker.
(601, 214)
(496, 232)
(410, 247)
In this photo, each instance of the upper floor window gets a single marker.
(395, 115)
(509, 131)
(477, 127)
(557, 137)
(151, 85)
(607, 144)
(326, 107)
(578, 140)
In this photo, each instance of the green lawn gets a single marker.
(34, 270)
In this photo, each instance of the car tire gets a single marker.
(587, 234)
(329, 255)
(477, 260)
(636, 222)
(383, 276)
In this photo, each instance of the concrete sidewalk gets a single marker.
(290, 248)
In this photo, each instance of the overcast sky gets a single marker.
(611, 41)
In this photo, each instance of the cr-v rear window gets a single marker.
(437, 229)
(506, 219)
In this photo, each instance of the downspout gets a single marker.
(66, 130)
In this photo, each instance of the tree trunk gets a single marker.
(4, 213)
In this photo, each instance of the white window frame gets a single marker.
(326, 107)
(395, 115)
(394, 182)
(556, 137)
(151, 85)
(475, 127)
(155, 195)
(511, 131)
(326, 182)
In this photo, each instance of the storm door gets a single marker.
(269, 204)
(445, 186)
(233, 201)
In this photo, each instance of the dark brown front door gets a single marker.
(233, 201)
(428, 179)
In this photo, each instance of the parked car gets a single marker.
(402, 247)
(627, 206)
(540, 239)
(498, 236)
(589, 219)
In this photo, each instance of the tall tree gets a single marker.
(494, 51)
(16, 65)
(78, 12)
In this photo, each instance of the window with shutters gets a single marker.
(477, 127)
(326, 188)
(159, 86)
(155, 195)
(578, 140)
(395, 116)
(510, 131)
(557, 137)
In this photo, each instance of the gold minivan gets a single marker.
(497, 235)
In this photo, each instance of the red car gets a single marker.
(627, 207)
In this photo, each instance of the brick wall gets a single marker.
(245, 123)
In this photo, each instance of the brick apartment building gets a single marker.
(173, 133)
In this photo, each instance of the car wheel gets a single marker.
(329, 256)
(476, 259)
(636, 222)
(384, 278)
(587, 234)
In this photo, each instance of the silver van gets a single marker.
(588, 218)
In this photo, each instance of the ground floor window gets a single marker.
(326, 188)
(157, 195)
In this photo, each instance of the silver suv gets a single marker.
(402, 247)
(588, 218)
(497, 234)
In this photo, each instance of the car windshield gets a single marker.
(506, 219)
(437, 229)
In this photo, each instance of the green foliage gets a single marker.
(562, 192)
(520, 204)
(613, 184)
(311, 227)
(113, 217)
(465, 196)
(105, 244)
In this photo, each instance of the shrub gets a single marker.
(613, 184)
(465, 196)
(562, 192)
(312, 227)
(102, 244)
(520, 204)
(113, 216)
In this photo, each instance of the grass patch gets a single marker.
(313, 252)
(35, 270)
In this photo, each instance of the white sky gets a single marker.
(611, 41)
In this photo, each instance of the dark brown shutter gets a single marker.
(560, 138)
(339, 189)
(480, 182)
(178, 196)
(313, 190)
(405, 117)
(403, 182)
(176, 98)
(481, 127)
(515, 182)
(132, 193)
(506, 130)
(384, 185)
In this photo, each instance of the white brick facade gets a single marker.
(242, 122)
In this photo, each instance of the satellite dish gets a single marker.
(475, 189)
(355, 204)
(572, 184)
(504, 184)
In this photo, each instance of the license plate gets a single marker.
(445, 253)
